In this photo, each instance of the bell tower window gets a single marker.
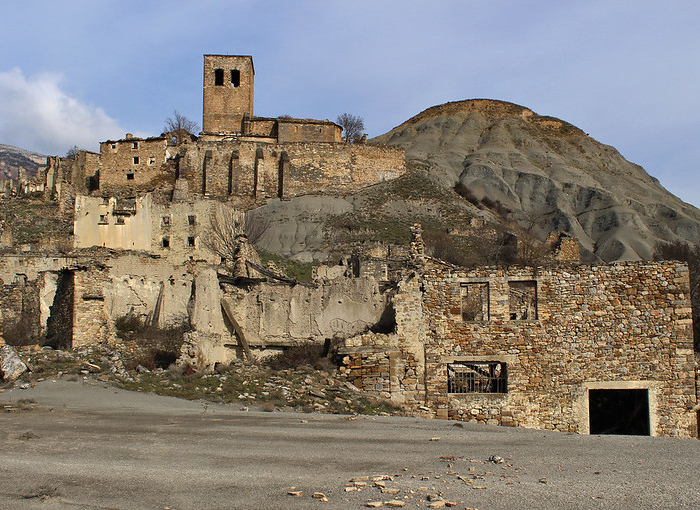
(218, 76)
(235, 78)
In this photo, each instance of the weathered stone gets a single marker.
(11, 365)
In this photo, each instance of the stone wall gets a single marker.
(283, 315)
(134, 164)
(262, 170)
(227, 103)
(308, 130)
(173, 230)
(556, 333)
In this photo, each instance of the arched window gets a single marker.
(218, 76)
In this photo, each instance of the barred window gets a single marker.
(477, 377)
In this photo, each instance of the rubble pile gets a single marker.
(250, 385)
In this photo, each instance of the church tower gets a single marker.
(228, 92)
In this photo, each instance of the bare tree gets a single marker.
(73, 152)
(352, 125)
(230, 227)
(180, 126)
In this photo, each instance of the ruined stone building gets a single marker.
(577, 348)
(124, 195)
(571, 347)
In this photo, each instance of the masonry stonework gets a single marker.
(618, 326)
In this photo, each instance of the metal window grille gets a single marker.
(477, 377)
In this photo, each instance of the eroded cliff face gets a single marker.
(550, 173)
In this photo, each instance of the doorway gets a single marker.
(618, 411)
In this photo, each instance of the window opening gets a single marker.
(119, 220)
(190, 241)
(136, 160)
(613, 411)
(477, 377)
(218, 76)
(151, 160)
(192, 220)
(522, 300)
(103, 220)
(135, 145)
(235, 77)
(165, 242)
(114, 146)
(130, 176)
(475, 302)
(165, 221)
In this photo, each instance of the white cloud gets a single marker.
(35, 114)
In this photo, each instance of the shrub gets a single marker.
(441, 246)
(308, 354)
(466, 193)
(497, 206)
(160, 347)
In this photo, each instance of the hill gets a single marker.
(549, 174)
(11, 158)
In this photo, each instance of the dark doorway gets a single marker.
(619, 412)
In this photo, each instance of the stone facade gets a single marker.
(236, 157)
(228, 92)
(135, 164)
(552, 334)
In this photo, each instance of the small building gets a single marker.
(580, 348)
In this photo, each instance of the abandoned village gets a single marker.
(539, 347)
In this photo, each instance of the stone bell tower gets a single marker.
(228, 93)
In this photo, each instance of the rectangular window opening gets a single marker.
(192, 220)
(130, 176)
(235, 78)
(190, 241)
(165, 221)
(136, 160)
(135, 145)
(477, 377)
(522, 300)
(103, 220)
(119, 220)
(475, 302)
(218, 76)
(165, 242)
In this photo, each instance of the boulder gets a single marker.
(11, 365)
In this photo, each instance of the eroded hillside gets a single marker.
(549, 173)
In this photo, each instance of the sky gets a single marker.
(625, 72)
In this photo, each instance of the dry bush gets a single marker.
(441, 246)
(497, 206)
(159, 347)
(466, 193)
(227, 224)
(308, 354)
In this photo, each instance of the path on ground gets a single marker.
(74, 445)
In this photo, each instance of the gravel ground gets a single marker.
(89, 446)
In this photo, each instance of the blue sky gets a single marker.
(626, 72)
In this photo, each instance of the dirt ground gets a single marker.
(77, 445)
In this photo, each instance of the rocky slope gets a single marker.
(548, 173)
(11, 158)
